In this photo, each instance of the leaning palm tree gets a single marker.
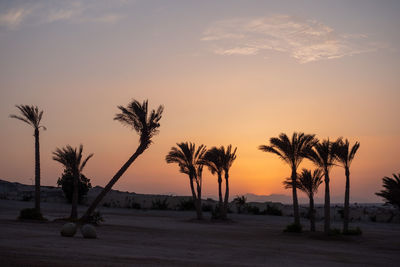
(292, 152)
(228, 157)
(71, 158)
(190, 161)
(308, 182)
(213, 160)
(146, 124)
(345, 155)
(324, 156)
(32, 116)
(391, 192)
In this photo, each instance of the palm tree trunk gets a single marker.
(312, 214)
(346, 201)
(327, 205)
(296, 213)
(198, 202)
(110, 184)
(221, 207)
(37, 171)
(74, 208)
(226, 200)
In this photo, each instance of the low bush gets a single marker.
(272, 210)
(159, 204)
(253, 210)
(96, 218)
(354, 231)
(207, 207)
(334, 231)
(186, 205)
(293, 228)
(31, 214)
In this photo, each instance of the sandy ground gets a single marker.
(170, 238)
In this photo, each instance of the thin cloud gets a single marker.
(13, 17)
(303, 39)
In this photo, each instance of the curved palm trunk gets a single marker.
(312, 214)
(221, 207)
(346, 210)
(296, 213)
(110, 184)
(195, 199)
(226, 199)
(74, 208)
(327, 205)
(37, 171)
(198, 207)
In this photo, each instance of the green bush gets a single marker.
(293, 228)
(159, 204)
(272, 210)
(354, 231)
(30, 214)
(67, 185)
(186, 205)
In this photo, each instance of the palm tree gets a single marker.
(190, 161)
(146, 124)
(213, 160)
(32, 116)
(391, 192)
(324, 156)
(308, 182)
(71, 158)
(228, 157)
(292, 152)
(345, 155)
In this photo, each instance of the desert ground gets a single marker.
(173, 238)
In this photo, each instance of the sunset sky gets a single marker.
(227, 72)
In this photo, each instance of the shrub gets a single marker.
(293, 228)
(355, 231)
(186, 205)
(95, 218)
(159, 204)
(240, 202)
(334, 231)
(31, 214)
(67, 185)
(207, 207)
(136, 206)
(215, 212)
(253, 210)
(272, 210)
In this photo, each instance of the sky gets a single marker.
(227, 72)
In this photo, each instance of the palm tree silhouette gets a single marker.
(292, 152)
(228, 157)
(345, 155)
(391, 192)
(32, 116)
(213, 160)
(323, 155)
(308, 182)
(71, 158)
(190, 161)
(146, 124)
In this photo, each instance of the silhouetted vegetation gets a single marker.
(391, 191)
(32, 116)
(240, 203)
(293, 228)
(272, 210)
(67, 185)
(186, 204)
(95, 218)
(159, 204)
(71, 159)
(355, 231)
(292, 152)
(31, 214)
(146, 124)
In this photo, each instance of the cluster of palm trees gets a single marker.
(324, 154)
(135, 115)
(191, 161)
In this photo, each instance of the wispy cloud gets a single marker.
(303, 39)
(43, 12)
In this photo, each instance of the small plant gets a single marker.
(136, 206)
(95, 218)
(31, 214)
(334, 231)
(159, 204)
(272, 210)
(253, 210)
(240, 202)
(355, 231)
(293, 228)
(216, 212)
(186, 205)
(207, 207)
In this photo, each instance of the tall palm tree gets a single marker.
(146, 124)
(308, 182)
(190, 161)
(213, 160)
(32, 116)
(345, 155)
(228, 157)
(391, 192)
(292, 151)
(324, 156)
(71, 158)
